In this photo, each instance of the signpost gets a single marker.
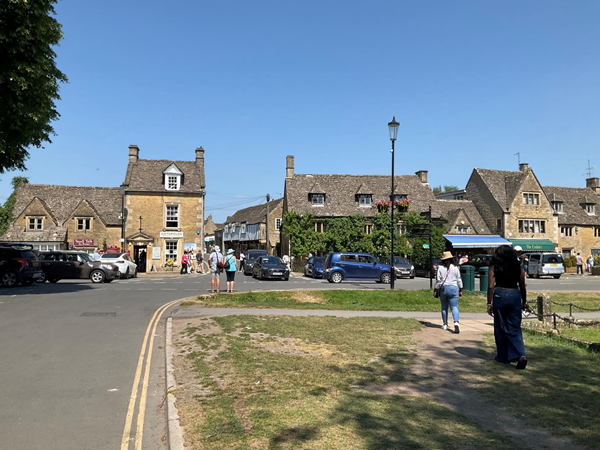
(425, 245)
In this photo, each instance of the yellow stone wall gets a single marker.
(582, 241)
(100, 232)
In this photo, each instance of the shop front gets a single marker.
(534, 245)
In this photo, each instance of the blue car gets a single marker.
(355, 266)
(314, 267)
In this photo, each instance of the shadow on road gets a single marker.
(46, 288)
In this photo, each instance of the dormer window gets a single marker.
(243, 228)
(317, 199)
(590, 208)
(35, 223)
(558, 207)
(364, 200)
(172, 178)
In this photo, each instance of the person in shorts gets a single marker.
(231, 269)
(215, 272)
(199, 261)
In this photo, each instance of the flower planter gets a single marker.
(402, 209)
(382, 209)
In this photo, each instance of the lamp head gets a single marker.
(393, 126)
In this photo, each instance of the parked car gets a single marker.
(402, 266)
(423, 269)
(270, 267)
(73, 265)
(251, 257)
(479, 261)
(314, 267)
(545, 264)
(355, 266)
(18, 264)
(126, 266)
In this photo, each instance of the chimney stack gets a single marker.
(593, 183)
(199, 155)
(422, 174)
(523, 167)
(289, 166)
(134, 153)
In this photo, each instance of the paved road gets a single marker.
(70, 354)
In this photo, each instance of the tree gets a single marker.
(6, 211)
(302, 235)
(448, 188)
(347, 234)
(29, 78)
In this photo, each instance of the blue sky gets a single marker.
(471, 83)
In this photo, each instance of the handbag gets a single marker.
(436, 292)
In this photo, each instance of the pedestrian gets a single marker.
(184, 261)
(506, 299)
(286, 261)
(230, 266)
(464, 260)
(526, 264)
(448, 287)
(579, 261)
(96, 255)
(590, 264)
(310, 255)
(242, 260)
(215, 271)
(199, 267)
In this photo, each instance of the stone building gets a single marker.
(515, 206)
(156, 213)
(247, 228)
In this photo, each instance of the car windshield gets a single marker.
(318, 260)
(272, 260)
(399, 261)
(86, 257)
(111, 256)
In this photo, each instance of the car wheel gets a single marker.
(126, 273)
(134, 273)
(260, 275)
(10, 278)
(556, 277)
(53, 280)
(386, 278)
(42, 279)
(336, 277)
(97, 276)
(286, 279)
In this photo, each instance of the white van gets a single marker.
(545, 264)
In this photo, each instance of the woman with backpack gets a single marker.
(230, 266)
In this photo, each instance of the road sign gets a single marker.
(425, 245)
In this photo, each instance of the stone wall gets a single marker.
(582, 241)
(484, 201)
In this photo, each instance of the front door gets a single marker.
(139, 257)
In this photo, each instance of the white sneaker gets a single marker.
(456, 327)
(444, 327)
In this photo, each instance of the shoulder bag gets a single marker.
(436, 292)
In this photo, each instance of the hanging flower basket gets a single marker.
(401, 206)
(383, 206)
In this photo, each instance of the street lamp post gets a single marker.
(393, 127)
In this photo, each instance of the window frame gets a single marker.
(278, 223)
(365, 200)
(177, 179)
(167, 216)
(314, 199)
(531, 199)
(400, 197)
(590, 209)
(558, 207)
(170, 252)
(531, 226)
(36, 225)
(86, 223)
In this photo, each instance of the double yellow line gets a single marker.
(139, 430)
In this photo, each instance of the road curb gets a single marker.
(174, 432)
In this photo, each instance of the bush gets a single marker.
(567, 263)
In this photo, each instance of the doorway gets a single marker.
(139, 257)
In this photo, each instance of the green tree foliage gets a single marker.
(301, 231)
(438, 189)
(347, 234)
(29, 78)
(6, 211)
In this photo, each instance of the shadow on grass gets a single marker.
(293, 436)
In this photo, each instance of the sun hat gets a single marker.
(518, 248)
(229, 251)
(447, 255)
(217, 249)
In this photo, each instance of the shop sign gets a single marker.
(155, 252)
(83, 243)
(171, 234)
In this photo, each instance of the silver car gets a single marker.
(403, 268)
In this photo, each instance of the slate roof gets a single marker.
(253, 214)
(340, 193)
(450, 210)
(573, 198)
(503, 184)
(61, 201)
(50, 233)
(147, 175)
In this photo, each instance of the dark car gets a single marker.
(251, 257)
(73, 265)
(18, 264)
(270, 267)
(355, 266)
(423, 269)
(314, 267)
(404, 269)
(479, 261)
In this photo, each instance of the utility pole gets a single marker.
(267, 241)
(430, 253)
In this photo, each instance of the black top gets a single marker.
(507, 279)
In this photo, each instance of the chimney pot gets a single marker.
(593, 183)
(134, 153)
(422, 174)
(289, 166)
(200, 154)
(523, 167)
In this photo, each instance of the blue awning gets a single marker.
(475, 241)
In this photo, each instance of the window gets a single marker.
(596, 252)
(532, 226)
(462, 230)
(171, 251)
(368, 229)
(398, 197)
(35, 223)
(320, 227)
(459, 197)
(317, 199)
(172, 182)
(278, 223)
(558, 207)
(364, 200)
(596, 231)
(348, 258)
(531, 199)
(566, 231)
(590, 209)
(84, 224)
(566, 254)
(173, 216)
(498, 224)
(243, 228)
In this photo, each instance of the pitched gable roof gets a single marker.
(503, 184)
(450, 210)
(147, 175)
(253, 214)
(573, 199)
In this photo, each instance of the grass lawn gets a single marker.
(383, 300)
(588, 334)
(559, 390)
(291, 383)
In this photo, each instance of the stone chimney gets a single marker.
(523, 167)
(422, 174)
(134, 153)
(593, 183)
(289, 166)
(200, 155)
